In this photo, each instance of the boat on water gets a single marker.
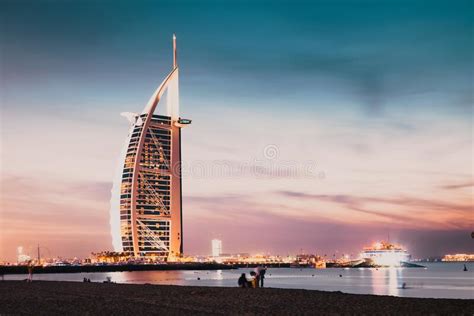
(385, 254)
(380, 255)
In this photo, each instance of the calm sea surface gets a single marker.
(440, 280)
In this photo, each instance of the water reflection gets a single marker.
(214, 278)
(393, 281)
(158, 277)
(386, 281)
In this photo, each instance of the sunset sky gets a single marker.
(317, 126)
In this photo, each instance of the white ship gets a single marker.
(385, 254)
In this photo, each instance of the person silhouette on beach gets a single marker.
(242, 282)
(255, 279)
(30, 272)
(261, 273)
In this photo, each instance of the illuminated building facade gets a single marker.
(146, 206)
(463, 257)
(216, 247)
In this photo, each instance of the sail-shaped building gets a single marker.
(146, 205)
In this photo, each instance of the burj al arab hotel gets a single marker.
(146, 204)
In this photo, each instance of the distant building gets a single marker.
(459, 257)
(146, 205)
(109, 257)
(216, 247)
(21, 257)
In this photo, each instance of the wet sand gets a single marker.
(74, 298)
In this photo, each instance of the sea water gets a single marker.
(436, 280)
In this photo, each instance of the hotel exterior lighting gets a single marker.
(146, 204)
(216, 247)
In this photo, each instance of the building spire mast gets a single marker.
(175, 53)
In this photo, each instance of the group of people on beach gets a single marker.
(256, 278)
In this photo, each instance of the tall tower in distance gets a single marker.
(146, 205)
(216, 247)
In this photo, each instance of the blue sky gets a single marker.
(362, 55)
(377, 93)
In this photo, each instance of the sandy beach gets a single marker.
(47, 298)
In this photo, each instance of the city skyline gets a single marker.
(309, 122)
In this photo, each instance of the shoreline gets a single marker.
(7, 270)
(12, 269)
(53, 297)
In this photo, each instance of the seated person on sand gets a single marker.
(243, 281)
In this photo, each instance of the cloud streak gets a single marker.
(431, 211)
(458, 186)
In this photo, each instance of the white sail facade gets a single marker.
(146, 206)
